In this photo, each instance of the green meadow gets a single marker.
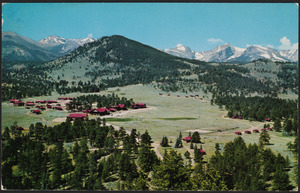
(165, 116)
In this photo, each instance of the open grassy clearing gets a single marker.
(165, 115)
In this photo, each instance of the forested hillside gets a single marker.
(88, 155)
(118, 61)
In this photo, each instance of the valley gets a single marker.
(184, 97)
(165, 115)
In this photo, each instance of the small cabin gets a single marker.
(62, 98)
(196, 95)
(87, 111)
(29, 103)
(121, 107)
(139, 105)
(58, 108)
(160, 94)
(13, 100)
(20, 128)
(187, 139)
(112, 109)
(178, 95)
(100, 111)
(51, 101)
(73, 116)
(191, 95)
(255, 131)
(186, 96)
(40, 101)
(270, 129)
(248, 132)
(268, 119)
(233, 117)
(201, 98)
(49, 107)
(41, 107)
(240, 117)
(36, 111)
(238, 133)
(169, 94)
(19, 103)
(263, 129)
(202, 152)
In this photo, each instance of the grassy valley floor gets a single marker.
(165, 116)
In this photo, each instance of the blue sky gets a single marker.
(201, 26)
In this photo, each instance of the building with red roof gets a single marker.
(51, 101)
(49, 106)
(255, 131)
(29, 103)
(19, 103)
(233, 117)
(268, 119)
(238, 133)
(139, 105)
(77, 116)
(20, 128)
(240, 117)
(112, 109)
(121, 107)
(58, 108)
(248, 132)
(264, 129)
(270, 129)
(100, 111)
(62, 98)
(13, 100)
(202, 152)
(187, 139)
(40, 101)
(36, 111)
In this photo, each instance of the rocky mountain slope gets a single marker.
(19, 48)
(229, 53)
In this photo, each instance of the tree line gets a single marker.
(85, 102)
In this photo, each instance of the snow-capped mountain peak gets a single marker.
(53, 40)
(229, 53)
(181, 51)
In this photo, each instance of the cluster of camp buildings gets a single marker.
(42, 104)
(254, 131)
(54, 104)
(187, 96)
(104, 111)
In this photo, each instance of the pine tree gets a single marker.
(171, 174)
(264, 138)
(277, 125)
(281, 180)
(196, 137)
(164, 142)
(146, 139)
(288, 126)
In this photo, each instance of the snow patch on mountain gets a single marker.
(229, 53)
(181, 51)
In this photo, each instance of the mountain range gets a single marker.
(19, 48)
(229, 53)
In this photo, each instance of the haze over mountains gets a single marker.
(229, 53)
(19, 48)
